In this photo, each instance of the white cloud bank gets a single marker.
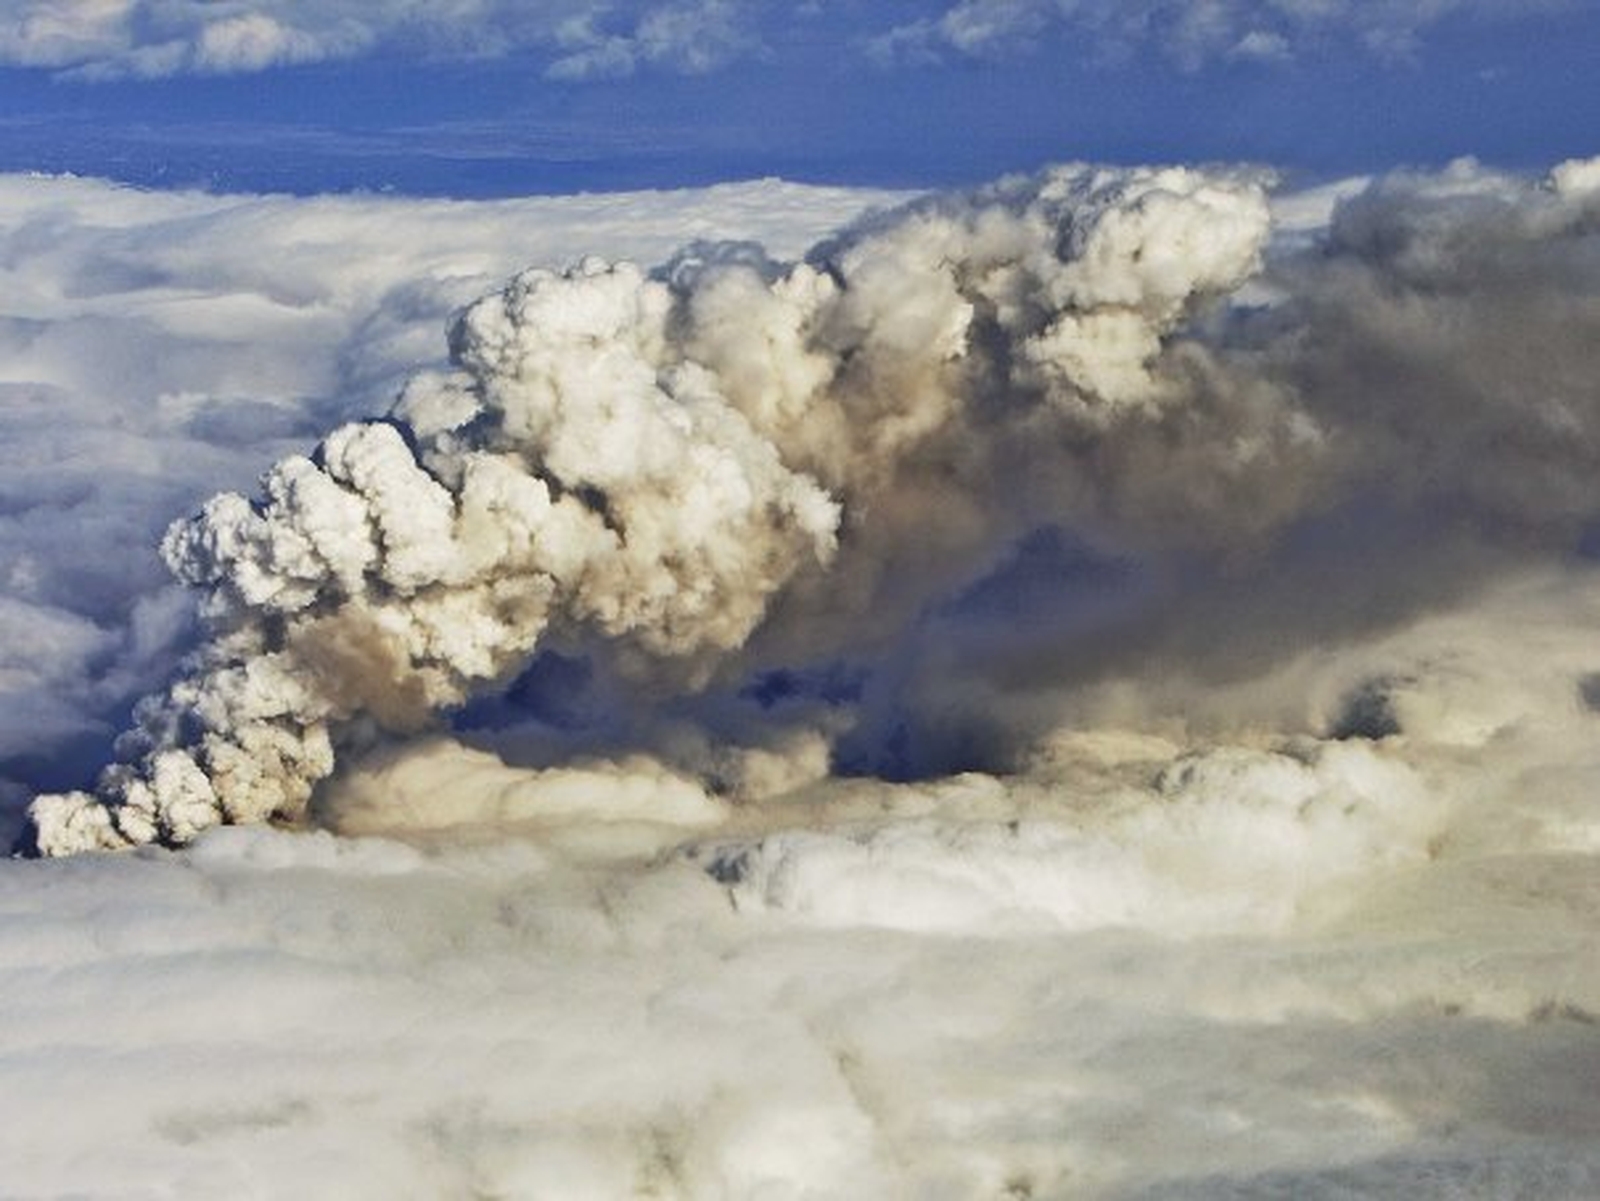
(1279, 876)
(1144, 971)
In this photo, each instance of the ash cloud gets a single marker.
(1281, 875)
(651, 460)
(159, 347)
(737, 464)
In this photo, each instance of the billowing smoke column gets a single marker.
(650, 461)
(734, 463)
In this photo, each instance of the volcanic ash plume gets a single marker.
(649, 460)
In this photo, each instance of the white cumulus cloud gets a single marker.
(100, 39)
(609, 39)
(1190, 32)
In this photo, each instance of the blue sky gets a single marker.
(484, 97)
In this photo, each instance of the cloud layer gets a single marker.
(1086, 689)
(1191, 33)
(92, 39)
(583, 39)
(1149, 971)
